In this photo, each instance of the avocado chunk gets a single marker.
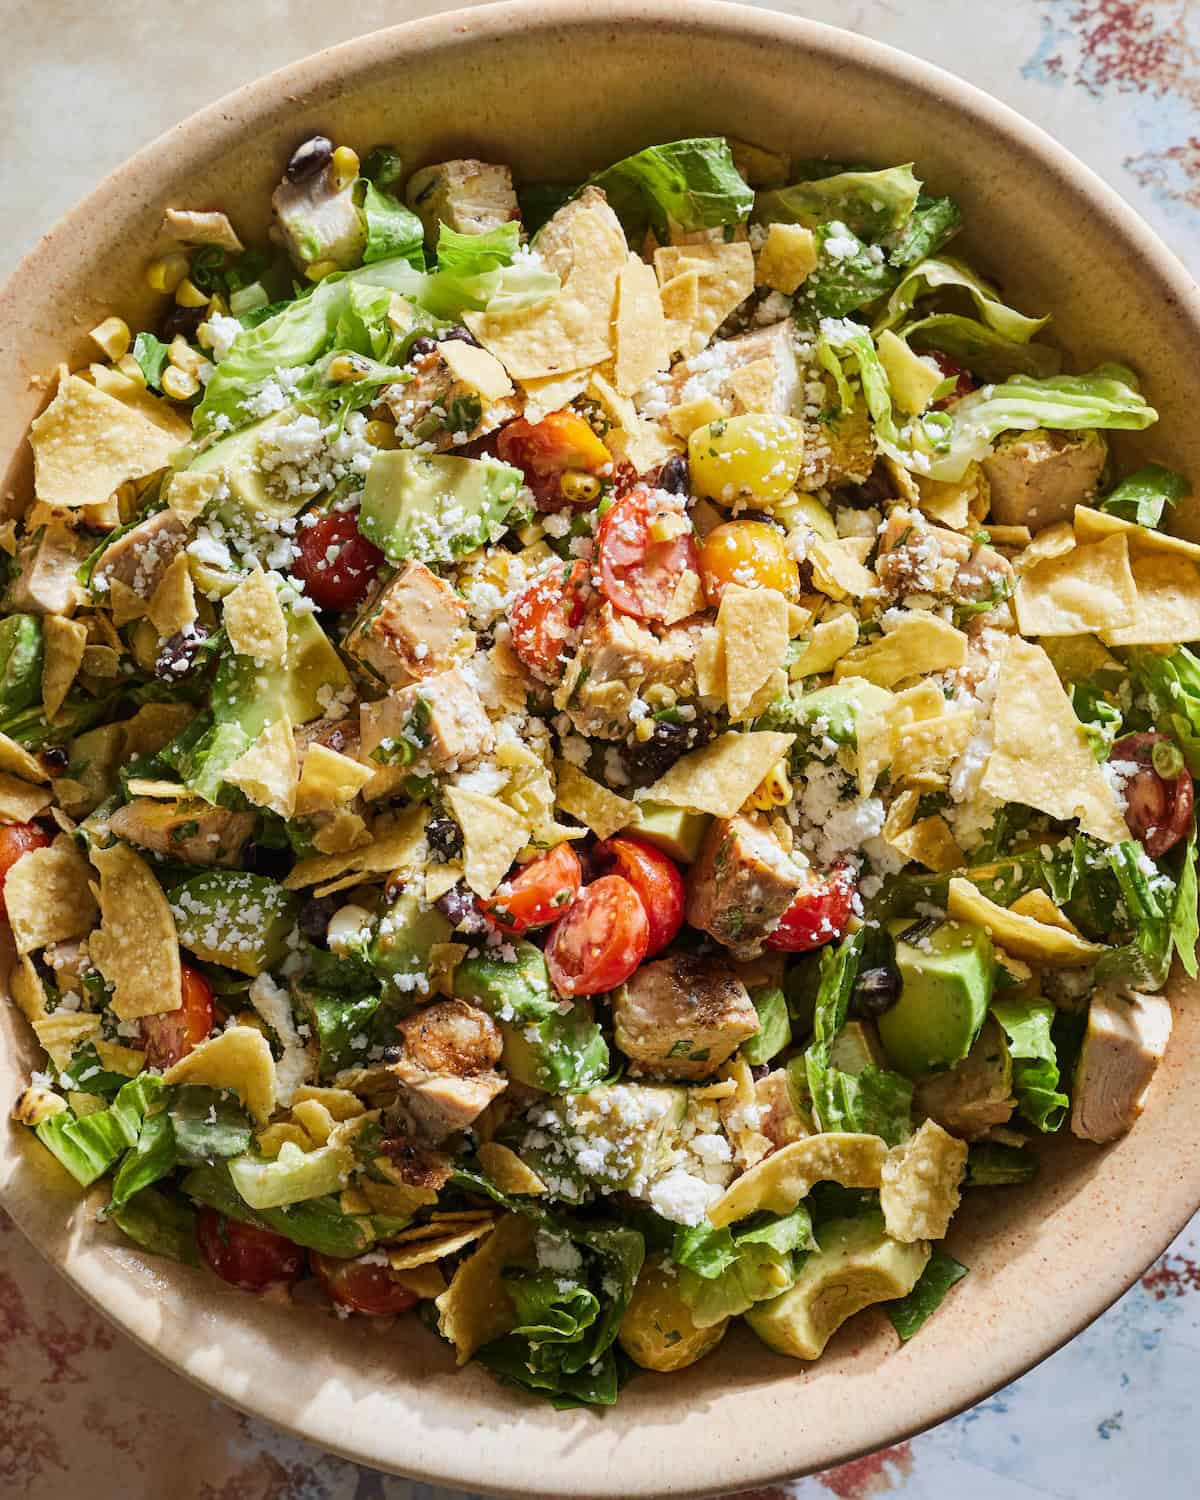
(234, 918)
(657, 1329)
(830, 712)
(237, 459)
(399, 951)
(301, 686)
(435, 506)
(617, 1138)
(20, 662)
(855, 1266)
(806, 510)
(945, 990)
(674, 830)
(856, 1047)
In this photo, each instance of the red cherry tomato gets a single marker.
(173, 1034)
(337, 564)
(546, 452)
(244, 1255)
(538, 894)
(543, 616)
(655, 878)
(1158, 809)
(817, 915)
(601, 940)
(965, 383)
(361, 1286)
(17, 839)
(638, 575)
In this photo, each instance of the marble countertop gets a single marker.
(83, 1412)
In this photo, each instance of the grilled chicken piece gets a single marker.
(195, 832)
(469, 196)
(1125, 1041)
(442, 719)
(916, 558)
(690, 379)
(48, 562)
(975, 1094)
(681, 1017)
(742, 883)
(621, 659)
(440, 406)
(1038, 478)
(319, 220)
(141, 557)
(410, 628)
(447, 1072)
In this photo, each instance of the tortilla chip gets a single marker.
(1053, 541)
(165, 791)
(773, 688)
(931, 843)
(254, 619)
(878, 731)
(619, 409)
(340, 832)
(49, 898)
(1009, 536)
(341, 1103)
(172, 607)
(19, 801)
(188, 492)
(137, 946)
(399, 849)
(238, 1059)
(642, 347)
(155, 725)
(475, 1308)
(441, 878)
(125, 603)
(753, 386)
(687, 600)
(87, 443)
(493, 836)
(1038, 904)
(684, 419)
(710, 663)
(1167, 607)
(17, 761)
(426, 1282)
(917, 644)
(788, 254)
(753, 624)
(725, 278)
(604, 812)
(553, 392)
(328, 780)
(1023, 936)
(1092, 525)
(65, 642)
(509, 1173)
(422, 1252)
(61, 1032)
(1083, 591)
(269, 771)
(482, 371)
(837, 572)
(953, 503)
(719, 776)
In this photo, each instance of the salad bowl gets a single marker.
(558, 90)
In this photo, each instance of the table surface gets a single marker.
(83, 1413)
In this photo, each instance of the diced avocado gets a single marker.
(657, 1329)
(945, 990)
(238, 460)
(435, 506)
(301, 686)
(674, 830)
(95, 758)
(855, 1266)
(617, 1137)
(339, 1021)
(399, 951)
(20, 662)
(517, 991)
(234, 918)
(830, 712)
(912, 379)
(774, 1032)
(806, 510)
(856, 1047)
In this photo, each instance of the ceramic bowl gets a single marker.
(558, 89)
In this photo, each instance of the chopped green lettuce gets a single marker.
(933, 222)
(293, 1177)
(1171, 686)
(86, 1074)
(392, 227)
(1101, 719)
(1144, 496)
(317, 1224)
(933, 276)
(774, 1027)
(842, 283)
(1026, 1024)
(152, 1157)
(151, 356)
(724, 1272)
(990, 1164)
(21, 657)
(1185, 913)
(980, 349)
(908, 1314)
(685, 185)
(160, 1223)
(91, 1145)
(870, 204)
(208, 1124)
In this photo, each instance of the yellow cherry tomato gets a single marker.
(747, 552)
(756, 455)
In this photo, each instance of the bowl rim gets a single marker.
(226, 120)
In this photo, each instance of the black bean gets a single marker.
(54, 759)
(762, 516)
(259, 859)
(444, 836)
(459, 909)
(181, 320)
(309, 157)
(652, 758)
(876, 991)
(675, 476)
(314, 918)
(177, 654)
(464, 335)
(421, 345)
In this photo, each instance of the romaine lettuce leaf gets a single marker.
(160, 1223)
(870, 204)
(208, 1124)
(687, 185)
(723, 1272)
(152, 1156)
(473, 254)
(986, 353)
(855, 277)
(295, 1176)
(990, 1164)
(1171, 686)
(774, 1027)
(1026, 1024)
(91, 1145)
(86, 1074)
(1185, 917)
(392, 227)
(908, 1314)
(933, 223)
(1144, 496)
(932, 276)
(318, 1224)
(151, 356)
(1100, 718)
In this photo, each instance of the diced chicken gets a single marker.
(48, 562)
(1038, 478)
(720, 373)
(140, 557)
(1125, 1042)
(468, 196)
(404, 1162)
(441, 407)
(976, 1094)
(341, 735)
(682, 1017)
(916, 558)
(410, 628)
(319, 219)
(440, 720)
(618, 659)
(447, 1071)
(194, 832)
(192, 227)
(780, 1120)
(839, 446)
(742, 883)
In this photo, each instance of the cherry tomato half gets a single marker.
(655, 878)
(244, 1255)
(539, 894)
(965, 383)
(362, 1286)
(543, 616)
(337, 565)
(601, 940)
(17, 839)
(817, 915)
(546, 452)
(638, 572)
(747, 552)
(173, 1034)
(1158, 809)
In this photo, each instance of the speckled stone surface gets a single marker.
(85, 1413)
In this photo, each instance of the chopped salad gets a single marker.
(586, 759)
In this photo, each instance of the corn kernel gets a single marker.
(774, 790)
(533, 532)
(37, 1104)
(578, 488)
(347, 367)
(181, 354)
(320, 269)
(188, 294)
(179, 384)
(659, 695)
(380, 434)
(113, 336)
(666, 526)
(218, 305)
(345, 166)
(164, 275)
(643, 730)
(131, 370)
